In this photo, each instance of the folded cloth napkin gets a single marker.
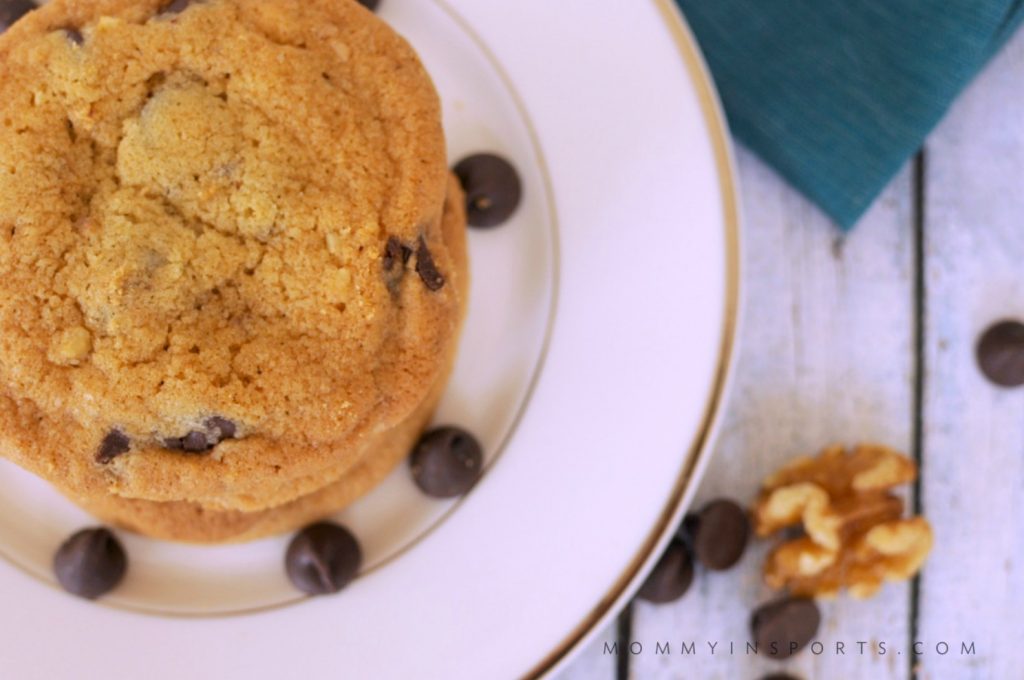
(837, 94)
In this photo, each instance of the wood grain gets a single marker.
(826, 356)
(828, 352)
(972, 589)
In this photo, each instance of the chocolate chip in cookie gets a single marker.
(217, 430)
(221, 428)
(396, 253)
(425, 267)
(112, 446)
(73, 35)
(175, 7)
(195, 442)
(371, 5)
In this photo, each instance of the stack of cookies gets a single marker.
(233, 261)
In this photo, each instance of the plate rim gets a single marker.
(700, 450)
(552, 300)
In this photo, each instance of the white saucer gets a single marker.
(595, 355)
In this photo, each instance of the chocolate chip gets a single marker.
(390, 255)
(687, 531)
(394, 252)
(492, 186)
(12, 10)
(74, 35)
(195, 442)
(396, 255)
(721, 534)
(220, 429)
(446, 462)
(175, 7)
(426, 268)
(671, 577)
(322, 559)
(112, 446)
(371, 5)
(199, 441)
(90, 563)
(780, 676)
(783, 627)
(1000, 353)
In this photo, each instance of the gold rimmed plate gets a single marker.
(595, 354)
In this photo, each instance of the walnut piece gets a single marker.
(854, 537)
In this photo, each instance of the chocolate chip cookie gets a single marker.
(225, 279)
(192, 522)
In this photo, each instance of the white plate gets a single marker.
(596, 351)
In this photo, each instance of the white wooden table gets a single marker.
(870, 337)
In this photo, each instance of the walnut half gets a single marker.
(854, 537)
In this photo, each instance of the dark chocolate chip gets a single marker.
(90, 563)
(12, 10)
(671, 577)
(780, 676)
(722, 533)
(322, 559)
(220, 429)
(175, 7)
(396, 253)
(1000, 353)
(112, 446)
(426, 268)
(74, 35)
(687, 531)
(199, 441)
(391, 254)
(195, 442)
(371, 5)
(783, 627)
(492, 186)
(446, 462)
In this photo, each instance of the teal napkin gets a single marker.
(837, 94)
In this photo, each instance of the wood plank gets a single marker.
(826, 355)
(972, 589)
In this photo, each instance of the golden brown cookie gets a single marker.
(191, 522)
(221, 257)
